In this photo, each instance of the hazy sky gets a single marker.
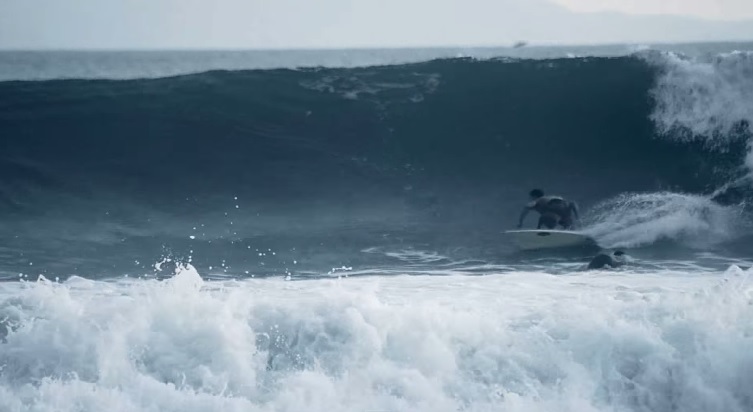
(135, 24)
(708, 9)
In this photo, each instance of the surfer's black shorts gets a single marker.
(548, 221)
(551, 220)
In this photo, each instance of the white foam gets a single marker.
(410, 255)
(632, 220)
(516, 342)
(707, 99)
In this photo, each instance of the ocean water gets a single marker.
(322, 230)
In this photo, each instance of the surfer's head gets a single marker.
(619, 257)
(536, 193)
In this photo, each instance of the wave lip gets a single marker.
(704, 98)
(122, 65)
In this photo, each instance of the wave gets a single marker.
(438, 148)
(122, 65)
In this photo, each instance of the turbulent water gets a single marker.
(241, 232)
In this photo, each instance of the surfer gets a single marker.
(554, 210)
(602, 260)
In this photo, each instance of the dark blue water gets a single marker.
(278, 171)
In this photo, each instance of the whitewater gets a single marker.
(523, 341)
(242, 231)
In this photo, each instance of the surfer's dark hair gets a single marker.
(536, 193)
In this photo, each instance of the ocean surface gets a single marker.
(323, 230)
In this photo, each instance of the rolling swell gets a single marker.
(446, 145)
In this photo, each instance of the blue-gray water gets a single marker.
(322, 230)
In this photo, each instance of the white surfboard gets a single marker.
(549, 239)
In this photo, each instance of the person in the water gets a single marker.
(554, 210)
(604, 260)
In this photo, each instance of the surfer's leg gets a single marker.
(566, 222)
(548, 221)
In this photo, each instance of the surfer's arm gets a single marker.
(523, 216)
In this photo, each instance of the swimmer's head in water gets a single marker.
(618, 253)
(536, 193)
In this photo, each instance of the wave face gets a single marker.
(292, 158)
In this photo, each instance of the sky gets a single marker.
(273, 24)
(708, 9)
